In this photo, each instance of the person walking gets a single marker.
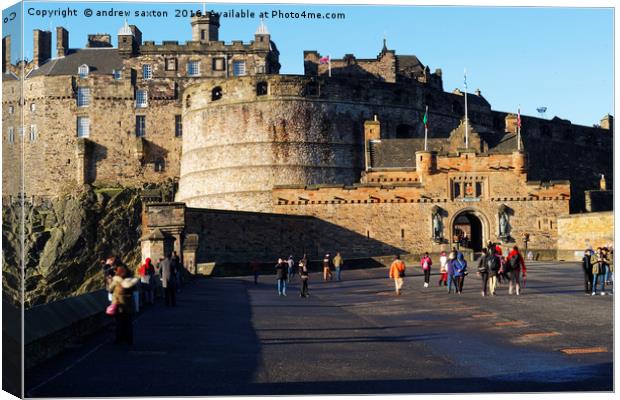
(598, 270)
(168, 281)
(450, 270)
(516, 268)
(303, 274)
(338, 262)
(459, 267)
(397, 272)
(483, 271)
(586, 266)
(146, 273)
(327, 273)
(122, 287)
(281, 270)
(443, 270)
(290, 262)
(255, 267)
(493, 265)
(177, 267)
(426, 264)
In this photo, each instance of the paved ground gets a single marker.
(227, 336)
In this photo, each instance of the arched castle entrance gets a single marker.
(470, 228)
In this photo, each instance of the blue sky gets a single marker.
(561, 58)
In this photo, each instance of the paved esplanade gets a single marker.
(228, 336)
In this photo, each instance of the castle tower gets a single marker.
(519, 162)
(205, 28)
(62, 41)
(129, 39)
(262, 36)
(42, 49)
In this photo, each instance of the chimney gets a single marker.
(62, 41)
(97, 40)
(42, 50)
(6, 53)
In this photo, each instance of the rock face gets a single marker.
(65, 238)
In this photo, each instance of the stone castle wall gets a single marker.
(579, 231)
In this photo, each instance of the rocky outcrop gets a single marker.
(64, 240)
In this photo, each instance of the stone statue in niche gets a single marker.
(503, 224)
(437, 226)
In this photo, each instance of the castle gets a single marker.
(342, 144)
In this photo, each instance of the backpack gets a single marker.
(492, 264)
(514, 263)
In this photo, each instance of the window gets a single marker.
(193, 68)
(159, 165)
(147, 71)
(261, 88)
(11, 135)
(33, 107)
(117, 74)
(203, 34)
(83, 71)
(178, 126)
(33, 133)
(239, 68)
(140, 125)
(188, 101)
(11, 109)
(171, 64)
(219, 64)
(83, 127)
(216, 93)
(478, 189)
(457, 189)
(83, 97)
(141, 98)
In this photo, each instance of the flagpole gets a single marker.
(426, 130)
(329, 65)
(519, 128)
(466, 124)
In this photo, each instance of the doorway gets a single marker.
(467, 231)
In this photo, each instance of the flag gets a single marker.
(425, 119)
(324, 60)
(519, 117)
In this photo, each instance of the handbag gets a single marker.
(111, 309)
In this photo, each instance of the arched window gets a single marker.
(159, 165)
(83, 71)
(216, 93)
(403, 131)
(262, 88)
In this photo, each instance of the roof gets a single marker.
(409, 64)
(99, 61)
(125, 29)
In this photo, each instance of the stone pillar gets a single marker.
(152, 246)
(425, 163)
(519, 162)
(189, 253)
(372, 131)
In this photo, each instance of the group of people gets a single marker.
(130, 289)
(492, 268)
(285, 272)
(597, 268)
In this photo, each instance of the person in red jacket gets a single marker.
(516, 265)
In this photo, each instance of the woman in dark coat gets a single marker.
(281, 275)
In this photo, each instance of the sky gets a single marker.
(557, 57)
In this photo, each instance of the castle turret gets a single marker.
(205, 28)
(519, 162)
(425, 163)
(42, 49)
(129, 39)
(372, 131)
(262, 36)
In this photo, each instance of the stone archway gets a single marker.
(471, 228)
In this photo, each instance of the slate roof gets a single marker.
(409, 64)
(99, 61)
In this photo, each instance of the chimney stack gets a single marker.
(62, 42)
(6, 53)
(42, 50)
(99, 40)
